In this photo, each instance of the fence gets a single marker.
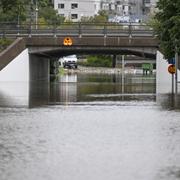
(75, 29)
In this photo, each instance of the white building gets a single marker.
(118, 7)
(139, 9)
(76, 9)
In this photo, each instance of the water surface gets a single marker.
(89, 127)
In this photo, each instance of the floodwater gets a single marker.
(89, 127)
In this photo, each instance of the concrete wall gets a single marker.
(11, 52)
(163, 78)
(25, 68)
(14, 86)
(20, 81)
(17, 70)
(39, 68)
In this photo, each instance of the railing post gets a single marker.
(54, 30)
(4, 33)
(130, 30)
(114, 60)
(80, 30)
(18, 28)
(30, 29)
(105, 30)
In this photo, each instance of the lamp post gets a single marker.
(36, 15)
(31, 18)
(18, 19)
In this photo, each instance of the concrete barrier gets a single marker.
(11, 52)
(163, 77)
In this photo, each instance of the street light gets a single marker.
(36, 14)
(18, 19)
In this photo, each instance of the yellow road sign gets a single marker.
(67, 41)
(171, 69)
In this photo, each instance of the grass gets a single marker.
(98, 61)
(4, 43)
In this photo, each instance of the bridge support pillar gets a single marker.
(39, 68)
(114, 61)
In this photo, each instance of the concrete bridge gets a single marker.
(46, 44)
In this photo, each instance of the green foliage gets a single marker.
(86, 19)
(61, 71)
(50, 15)
(24, 11)
(44, 3)
(4, 43)
(167, 26)
(101, 17)
(7, 5)
(99, 61)
(11, 11)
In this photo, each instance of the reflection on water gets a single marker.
(93, 87)
(14, 94)
(100, 127)
(169, 101)
(114, 88)
(85, 88)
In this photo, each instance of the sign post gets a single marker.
(176, 71)
(172, 70)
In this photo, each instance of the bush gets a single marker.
(4, 43)
(98, 61)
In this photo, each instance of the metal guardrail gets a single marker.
(75, 29)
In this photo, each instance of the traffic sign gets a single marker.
(67, 41)
(171, 61)
(171, 69)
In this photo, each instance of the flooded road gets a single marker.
(89, 127)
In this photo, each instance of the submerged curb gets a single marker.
(102, 70)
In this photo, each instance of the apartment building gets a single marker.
(134, 8)
(76, 9)
(149, 6)
(117, 7)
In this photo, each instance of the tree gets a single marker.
(101, 17)
(24, 10)
(44, 3)
(167, 26)
(11, 11)
(50, 15)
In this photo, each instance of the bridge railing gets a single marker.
(75, 29)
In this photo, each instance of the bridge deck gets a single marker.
(86, 38)
(145, 47)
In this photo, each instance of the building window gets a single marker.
(119, 8)
(147, 1)
(74, 6)
(74, 16)
(105, 6)
(61, 6)
(95, 6)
